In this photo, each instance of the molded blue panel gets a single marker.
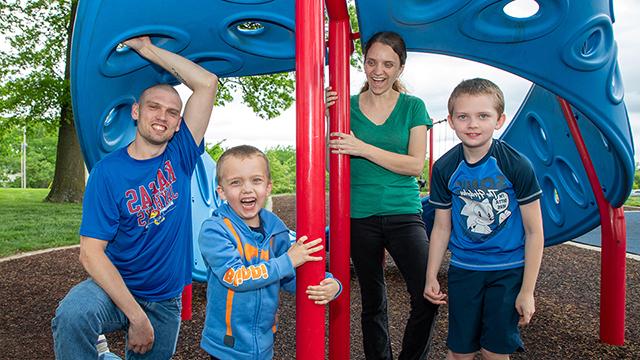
(204, 199)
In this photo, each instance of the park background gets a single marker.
(35, 101)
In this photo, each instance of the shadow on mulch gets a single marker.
(565, 325)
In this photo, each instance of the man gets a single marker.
(135, 236)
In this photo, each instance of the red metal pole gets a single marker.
(430, 155)
(339, 179)
(186, 303)
(614, 243)
(310, 170)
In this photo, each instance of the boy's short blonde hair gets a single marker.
(240, 152)
(477, 86)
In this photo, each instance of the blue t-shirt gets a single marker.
(143, 209)
(484, 197)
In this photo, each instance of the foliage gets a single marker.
(282, 160)
(30, 224)
(266, 95)
(633, 201)
(636, 179)
(41, 151)
(356, 57)
(32, 82)
(215, 150)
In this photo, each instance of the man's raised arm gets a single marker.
(203, 83)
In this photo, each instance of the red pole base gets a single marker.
(186, 303)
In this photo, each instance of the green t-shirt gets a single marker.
(374, 189)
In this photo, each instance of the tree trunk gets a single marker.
(68, 179)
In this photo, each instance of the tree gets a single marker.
(34, 84)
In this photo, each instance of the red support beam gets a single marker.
(339, 179)
(310, 170)
(430, 155)
(614, 243)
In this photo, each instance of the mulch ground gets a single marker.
(565, 325)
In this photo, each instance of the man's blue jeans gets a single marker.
(88, 311)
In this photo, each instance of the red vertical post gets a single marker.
(339, 179)
(430, 155)
(614, 243)
(186, 303)
(310, 170)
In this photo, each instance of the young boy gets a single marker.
(249, 258)
(488, 213)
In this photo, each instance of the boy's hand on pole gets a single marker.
(325, 292)
(300, 252)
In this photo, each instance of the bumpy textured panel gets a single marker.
(230, 38)
(205, 199)
(568, 48)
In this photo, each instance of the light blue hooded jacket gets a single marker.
(243, 283)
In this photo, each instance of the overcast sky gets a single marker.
(432, 77)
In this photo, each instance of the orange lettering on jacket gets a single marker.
(244, 273)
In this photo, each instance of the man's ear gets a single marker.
(135, 111)
(450, 121)
(500, 121)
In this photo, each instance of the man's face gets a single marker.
(158, 115)
(245, 184)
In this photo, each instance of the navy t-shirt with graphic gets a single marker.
(484, 197)
(143, 209)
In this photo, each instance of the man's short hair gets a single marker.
(474, 87)
(166, 87)
(240, 152)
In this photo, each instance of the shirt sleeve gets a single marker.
(100, 212)
(439, 194)
(186, 146)
(525, 183)
(419, 115)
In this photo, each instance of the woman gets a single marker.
(387, 145)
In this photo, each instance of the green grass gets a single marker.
(27, 223)
(633, 201)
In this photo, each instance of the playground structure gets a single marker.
(566, 49)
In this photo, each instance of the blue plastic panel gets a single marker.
(107, 78)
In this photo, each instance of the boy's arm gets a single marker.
(204, 84)
(105, 274)
(533, 247)
(221, 255)
(437, 247)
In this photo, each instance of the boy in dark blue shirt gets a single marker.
(488, 214)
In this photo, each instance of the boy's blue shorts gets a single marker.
(482, 311)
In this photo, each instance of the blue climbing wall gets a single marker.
(566, 49)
